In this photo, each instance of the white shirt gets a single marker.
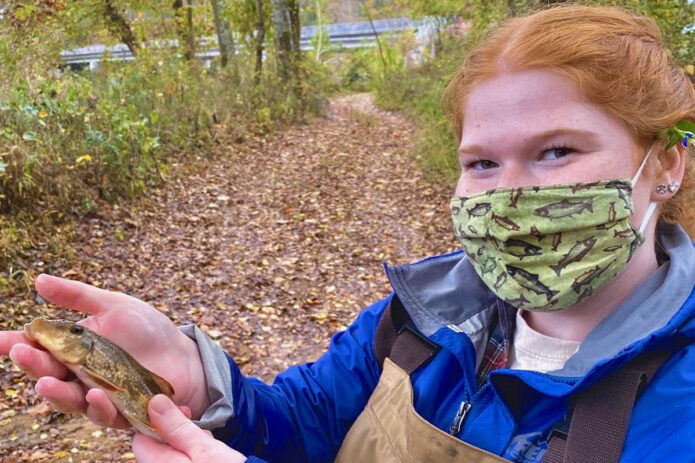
(531, 350)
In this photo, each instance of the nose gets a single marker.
(515, 175)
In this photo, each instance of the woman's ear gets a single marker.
(669, 171)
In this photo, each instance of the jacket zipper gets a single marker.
(455, 427)
(463, 410)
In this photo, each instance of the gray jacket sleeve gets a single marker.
(218, 378)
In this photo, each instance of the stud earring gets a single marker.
(673, 187)
(661, 188)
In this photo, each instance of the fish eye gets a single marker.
(76, 329)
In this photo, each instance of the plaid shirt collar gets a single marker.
(498, 342)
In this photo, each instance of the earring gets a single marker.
(661, 188)
(673, 187)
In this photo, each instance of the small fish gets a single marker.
(584, 186)
(557, 239)
(606, 226)
(623, 233)
(587, 277)
(534, 232)
(500, 281)
(481, 250)
(612, 248)
(98, 362)
(521, 248)
(514, 196)
(575, 254)
(530, 281)
(505, 223)
(488, 265)
(472, 229)
(460, 232)
(455, 210)
(479, 210)
(624, 191)
(518, 302)
(611, 219)
(564, 208)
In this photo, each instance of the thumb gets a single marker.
(174, 427)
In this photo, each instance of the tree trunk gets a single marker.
(283, 38)
(118, 26)
(295, 27)
(225, 39)
(186, 33)
(260, 41)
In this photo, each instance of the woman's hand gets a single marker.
(148, 335)
(187, 442)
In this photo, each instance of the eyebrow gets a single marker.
(539, 137)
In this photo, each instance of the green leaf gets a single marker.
(686, 125)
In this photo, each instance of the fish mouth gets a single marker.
(28, 333)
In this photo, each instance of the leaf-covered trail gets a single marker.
(270, 246)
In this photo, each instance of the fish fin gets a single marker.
(163, 384)
(141, 425)
(101, 381)
(556, 268)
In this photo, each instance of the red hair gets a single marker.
(615, 58)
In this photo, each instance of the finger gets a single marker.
(101, 411)
(148, 450)
(76, 295)
(8, 339)
(180, 432)
(66, 397)
(37, 363)
(185, 410)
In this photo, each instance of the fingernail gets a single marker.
(159, 404)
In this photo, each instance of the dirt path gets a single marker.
(271, 246)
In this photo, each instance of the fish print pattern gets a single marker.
(530, 244)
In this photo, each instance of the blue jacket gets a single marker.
(305, 414)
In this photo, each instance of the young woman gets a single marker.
(564, 330)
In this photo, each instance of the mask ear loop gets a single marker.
(641, 167)
(652, 204)
(647, 216)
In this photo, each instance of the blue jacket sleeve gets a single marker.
(307, 411)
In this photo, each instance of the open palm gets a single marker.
(148, 335)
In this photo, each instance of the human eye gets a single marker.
(556, 153)
(479, 164)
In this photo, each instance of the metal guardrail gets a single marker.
(343, 35)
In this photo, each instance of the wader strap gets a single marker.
(397, 338)
(595, 427)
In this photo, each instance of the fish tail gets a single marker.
(551, 294)
(557, 268)
(590, 206)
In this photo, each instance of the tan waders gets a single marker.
(389, 430)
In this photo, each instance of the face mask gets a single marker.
(545, 248)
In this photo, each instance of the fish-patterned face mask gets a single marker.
(544, 248)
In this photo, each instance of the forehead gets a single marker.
(521, 104)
